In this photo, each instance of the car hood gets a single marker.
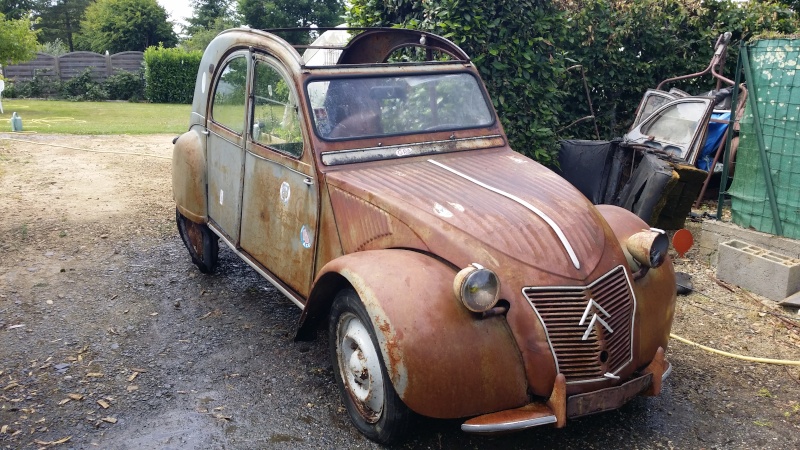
(486, 207)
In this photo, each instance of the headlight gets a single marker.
(477, 288)
(648, 247)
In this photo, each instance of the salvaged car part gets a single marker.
(370, 181)
(664, 163)
(660, 191)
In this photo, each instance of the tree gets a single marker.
(291, 14)
(15, 9)
(200, 39)
(17, 40)
(59, 19)
(122, 25)
(206, 13)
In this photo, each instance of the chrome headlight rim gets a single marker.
(477, 287)
(648, 248)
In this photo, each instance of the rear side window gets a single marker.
(228, 108)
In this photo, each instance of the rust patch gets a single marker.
(657, 367)
(558, 400)
(360, 222)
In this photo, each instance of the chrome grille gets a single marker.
(561, 310)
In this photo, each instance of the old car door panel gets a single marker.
(279, 220)
(280, 199)
(677, 128)
(651, 101)
(225, 145)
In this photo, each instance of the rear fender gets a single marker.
(189, 176)
(443, 360)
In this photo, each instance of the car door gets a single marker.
(226, 126)
(677, 128)
(280, 198)
(651, 101)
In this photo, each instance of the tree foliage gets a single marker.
(17, 40)
(59, 19)
(291, 13)
(201, 37)
(123, 25)
(15, 9)
(205, 13)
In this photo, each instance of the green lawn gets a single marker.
(50, 116)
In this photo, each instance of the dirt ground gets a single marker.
(111, 338)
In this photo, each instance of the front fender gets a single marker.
(189, 176)
(443, 360)
(655, 293)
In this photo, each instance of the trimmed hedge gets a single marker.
(170, 74)
(123, 85)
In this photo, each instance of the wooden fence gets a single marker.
(73, 64)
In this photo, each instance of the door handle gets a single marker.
(308, 181)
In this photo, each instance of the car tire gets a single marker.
(367, 392)
(202, 243)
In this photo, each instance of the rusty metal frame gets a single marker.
(718, 60)
(374, 45)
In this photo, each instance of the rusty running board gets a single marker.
(559, 407)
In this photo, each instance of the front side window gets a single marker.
(275, 116)
(228, 106)
(347, 108)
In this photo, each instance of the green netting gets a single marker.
(774, 84)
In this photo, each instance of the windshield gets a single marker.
(347, 108)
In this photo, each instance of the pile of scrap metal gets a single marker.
(664, 163)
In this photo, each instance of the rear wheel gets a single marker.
(372, 403)
(202, 243)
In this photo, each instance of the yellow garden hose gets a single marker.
(785, 362)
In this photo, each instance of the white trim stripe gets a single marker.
(522, 202)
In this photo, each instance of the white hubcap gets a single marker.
(360, 366)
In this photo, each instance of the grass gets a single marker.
(63, 117)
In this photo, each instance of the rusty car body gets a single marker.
(373, 185)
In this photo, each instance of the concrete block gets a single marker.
(715, 232)
(758, 270)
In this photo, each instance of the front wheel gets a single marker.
(372, 403)
(201, 242)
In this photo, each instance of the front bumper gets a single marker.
(560, 407)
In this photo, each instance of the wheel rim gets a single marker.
(360, 367)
